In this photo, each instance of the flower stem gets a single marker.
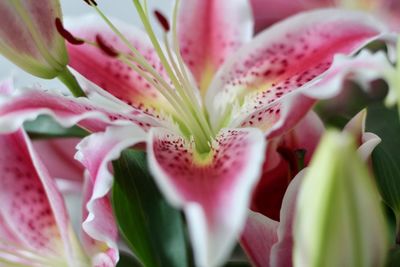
(67, 78)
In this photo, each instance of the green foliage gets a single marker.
(46, 127)
(386, 157)
(152, 228)
(393, 259)
(126, 260)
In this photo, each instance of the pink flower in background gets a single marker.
(35, 229)
(267, 238)
(204, 106)
(284, 156)
(267, 12)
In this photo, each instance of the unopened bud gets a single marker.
(29, 37)
(339, 219)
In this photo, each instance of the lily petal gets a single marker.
(220, 30)
(392, 7)
(111, 74)
(366, 141)
(258, 237)
(6, 86)
(95, 152)
(388, 10)
(67, 111)
(363, 69)
(6, 232)
(32, 210)
(252, 86)
(213, 190)
(267, 242)
(265, 16)
(306, 135)
(269, 192)
(281, 251)
(268, 195)
(369, 142)
(58, 156)
(103, 250)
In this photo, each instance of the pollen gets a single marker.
(66, 34)
(162, 20)
(90, 2)
(106, 48)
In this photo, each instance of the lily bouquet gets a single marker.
(203, 145)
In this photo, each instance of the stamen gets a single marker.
(90, 2)
(180, 93)
(106, 48)
(203, 135)
(162, 20)
(186, 79)
(137, 56)
(66, 34)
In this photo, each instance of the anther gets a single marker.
(90, 2)
(106, 48)
(66, 34)
(162, 20)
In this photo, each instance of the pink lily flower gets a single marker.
(205, 130)
(267, 12)
(34, 224)
(268, 241)
(282, 164)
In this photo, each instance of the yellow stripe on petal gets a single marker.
(207, 76)
(368, 5)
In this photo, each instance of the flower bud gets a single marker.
(339, 219)
(29, 38)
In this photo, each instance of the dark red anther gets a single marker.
(162, 20)
(106, 48)
(66, 34)
(90, 2)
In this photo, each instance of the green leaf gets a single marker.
(46, 127)
(393, 259)
(386, 157)
(237, 264)
(338, 111)
(152, 228)
(126, 260)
